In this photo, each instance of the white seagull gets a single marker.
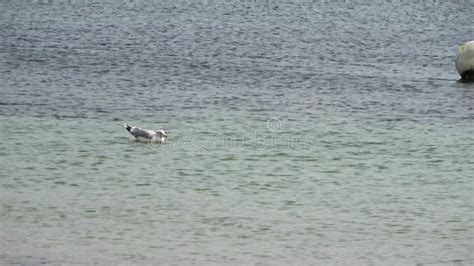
(145, 135)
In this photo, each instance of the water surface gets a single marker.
(307, 132)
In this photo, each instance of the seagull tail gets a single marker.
(127, 127)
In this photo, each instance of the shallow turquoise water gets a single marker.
(299, 133)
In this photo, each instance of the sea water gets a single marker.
(300, 132)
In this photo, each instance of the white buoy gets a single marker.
(465, 61)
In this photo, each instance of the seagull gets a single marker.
(145, 135)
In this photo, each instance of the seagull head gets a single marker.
(162, 133)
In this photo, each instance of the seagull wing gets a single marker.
(141, 133)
